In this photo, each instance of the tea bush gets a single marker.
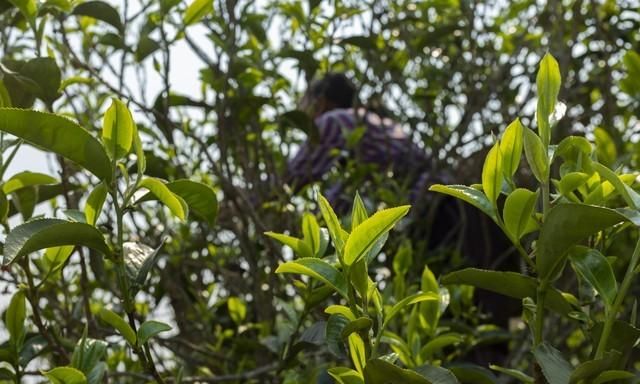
(153, 255)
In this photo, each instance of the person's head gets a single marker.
(333, 90)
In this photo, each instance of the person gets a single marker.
(436, 222)
(330, 102)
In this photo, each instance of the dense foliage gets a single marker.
(154, 255)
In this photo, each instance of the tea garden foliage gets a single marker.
(158, 258)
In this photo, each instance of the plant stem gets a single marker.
(617, 303)
(545, 198)
(539, 325)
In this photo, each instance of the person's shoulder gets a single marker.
(341, 115)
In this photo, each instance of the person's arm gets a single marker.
(313, 160)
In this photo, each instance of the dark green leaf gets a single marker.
(151, 328)
(146, 46)
(333, 334)
(46, 233)
(88, 353)
(592, 266)
(59, 135)
(101, 11)
(468, 194)
(437, 375)
(15, 317)
(565, 226)
(200, 198)
(591, 369)
(554, 367)
(509, 284)
(361, 324)
(378, 371)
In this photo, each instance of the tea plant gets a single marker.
(569, 220)
(362, 318)
(37, 251)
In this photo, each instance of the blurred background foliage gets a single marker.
(214, 85)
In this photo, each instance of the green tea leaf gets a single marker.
(357, 352)
(87, 354)
(605, 147)
(430, 310)
(15, 317)
(311, 233)
(317, 269)
(631, 197)
(333, 334)
(333, 224)
(379, 371)
(237, 309)
(518, 213)
(571, 181)
(46, 233)
(469, 195)
(94, 204)
(117, 129)
(565, 226)
(56, 257)
(358, 212)
(523, 377)
(613, 375)
(409, 300)
(298, 245)
(536, 155)
(554, 367)
(548, 83)
(492, 174)
(101, 11)
(511, 148)
(151, 328)
(161, 191)
(591, 369)
(117, 322)
(27, 179)
(59, 135)
(65, 375)
(510, 284)
(358, 325)
(362, 239)
(200, 198)
(592, 266)
(343, 375)
(29, 9)
(437, 375)
(196, 11)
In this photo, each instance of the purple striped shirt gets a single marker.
(383, 143)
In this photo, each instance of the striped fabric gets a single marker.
(383, 143)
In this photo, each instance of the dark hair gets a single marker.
(336, 88)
